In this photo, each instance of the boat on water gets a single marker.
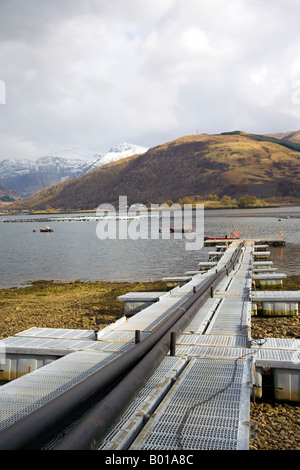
(221, 238)
(47, 229)
(235, 236)
(181, 230)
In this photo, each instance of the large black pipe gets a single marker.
(35, 429)
(93, 429)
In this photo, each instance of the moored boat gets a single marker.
(47, 229)
(221, 238)
(181, 230)
(235, 236)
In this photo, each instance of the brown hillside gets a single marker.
(293, 136)
(232, 165)
(7, 195)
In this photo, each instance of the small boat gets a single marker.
(221, 238)
(47, 229)
(181, 230)
(226, 237)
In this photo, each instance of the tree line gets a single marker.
(243, 202)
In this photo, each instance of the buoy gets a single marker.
(235, 234)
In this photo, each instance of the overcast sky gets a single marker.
(96, 73)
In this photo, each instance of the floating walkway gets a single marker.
(198, 398)
(261, 241)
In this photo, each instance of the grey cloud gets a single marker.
(95, 73)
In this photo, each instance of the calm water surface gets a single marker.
(74, 252)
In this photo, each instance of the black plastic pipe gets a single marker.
(36, 429)
(93, 429)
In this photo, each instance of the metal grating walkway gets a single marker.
(198, 399)
(83, 354)
(207, 409)
(133, 420)
(22, 396)
(209, 405)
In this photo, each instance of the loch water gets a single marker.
(73, 251)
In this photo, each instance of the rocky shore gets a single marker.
(93, 305)
(277, 423)
(81, 305)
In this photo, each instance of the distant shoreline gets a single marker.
(207, 206)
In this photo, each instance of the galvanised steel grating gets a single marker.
(23, 343)
(277, 353)
(141, 296)
(152, 316)
(131, 422)
(207, 409)
(217, 352)
(278, 358)
(280, 343)
(123, 336)
(200, 320)
(212, 340)
(269, 296)
(28, 345)
(232, 318)
(22, 396)
(58, 333)
(128, 426)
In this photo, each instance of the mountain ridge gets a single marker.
(6, 195)
(231, 164)
(26, 177)
(293, 136)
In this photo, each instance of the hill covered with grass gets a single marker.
(232, 164)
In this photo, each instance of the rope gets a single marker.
(211, 397)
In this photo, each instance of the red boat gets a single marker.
(47, 229)
(181, 230)
(227, 237)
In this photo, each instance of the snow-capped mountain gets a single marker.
(26, 177)
(78, 153)
(122, 151)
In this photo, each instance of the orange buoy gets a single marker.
(235, 234)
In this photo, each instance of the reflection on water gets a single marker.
(286, 258)
(73, 250)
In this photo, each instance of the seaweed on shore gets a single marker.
(78, 305)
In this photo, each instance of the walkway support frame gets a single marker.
(117, 383)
